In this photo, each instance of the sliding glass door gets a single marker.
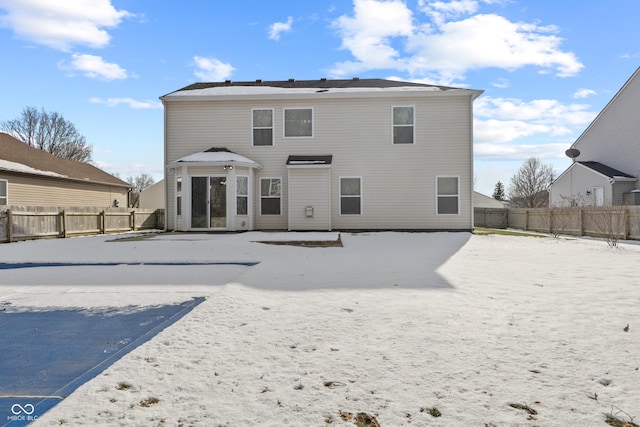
(208, 202)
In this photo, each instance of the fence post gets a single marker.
(526, 219)
(550, 220)
(133, 220)
(9, 226)
(102, 222)
(625, 218)
(581, 222)
(63, 223)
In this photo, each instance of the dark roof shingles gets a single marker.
(604, 169)
(17, 151)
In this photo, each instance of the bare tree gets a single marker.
(49, 132)
(528, 188)
(138, 185)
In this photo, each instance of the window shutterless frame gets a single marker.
(403, 126)
(262, 127)
(271, 196)
(350, 188)
(297, 122)
(4, 192)
(178, 195)
(447, 195)
(242, 195)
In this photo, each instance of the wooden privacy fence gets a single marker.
(622, 222)
(33, 222)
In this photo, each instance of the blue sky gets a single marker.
(547, 67)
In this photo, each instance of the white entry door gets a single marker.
(598, 194)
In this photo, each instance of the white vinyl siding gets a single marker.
(390, 175)
(403, 124)
(298, 122)
(270, 196)
(613, 137)
(448, 194)
(309, 188)
(262, 126)
(350, 195)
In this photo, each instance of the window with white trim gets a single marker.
(262, 125)
(242, 195)
(298, 122)
(448, 195)
(178, 195)
(350, 195)
(4, 192)
(403, 125)
(270, 196)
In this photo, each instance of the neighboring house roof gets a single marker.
(18, 157)
(482, 201)
(291, 86)
(605, 170)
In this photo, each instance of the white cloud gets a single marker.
(212, 69)
(62, 24)
(94, 67)
(450, 42)
(503, 127)
(584, 93)
(367, 35)
(277, 28)
(132, 103)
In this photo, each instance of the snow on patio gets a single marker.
(489, 330)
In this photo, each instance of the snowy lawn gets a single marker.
(393, 329)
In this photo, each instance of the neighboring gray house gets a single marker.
(153, 196)
(358, 154)
(482, 201)
(607, 166)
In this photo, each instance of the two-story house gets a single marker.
(359, 154)
(606, 165)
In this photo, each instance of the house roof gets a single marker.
(605, 170)
(18, 157)
(216, 156)
(292, 86)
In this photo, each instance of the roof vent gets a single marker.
(228, 82)
(258, 80)
(323, 79)
(292, 80)
(356, 78)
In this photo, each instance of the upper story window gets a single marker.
(4, 197)
(262, 123)
(403, 125)
(298, 122)
(448, 195)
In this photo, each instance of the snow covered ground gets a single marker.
(489, 330)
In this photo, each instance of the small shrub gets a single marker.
(148, 402)
(123, 385)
